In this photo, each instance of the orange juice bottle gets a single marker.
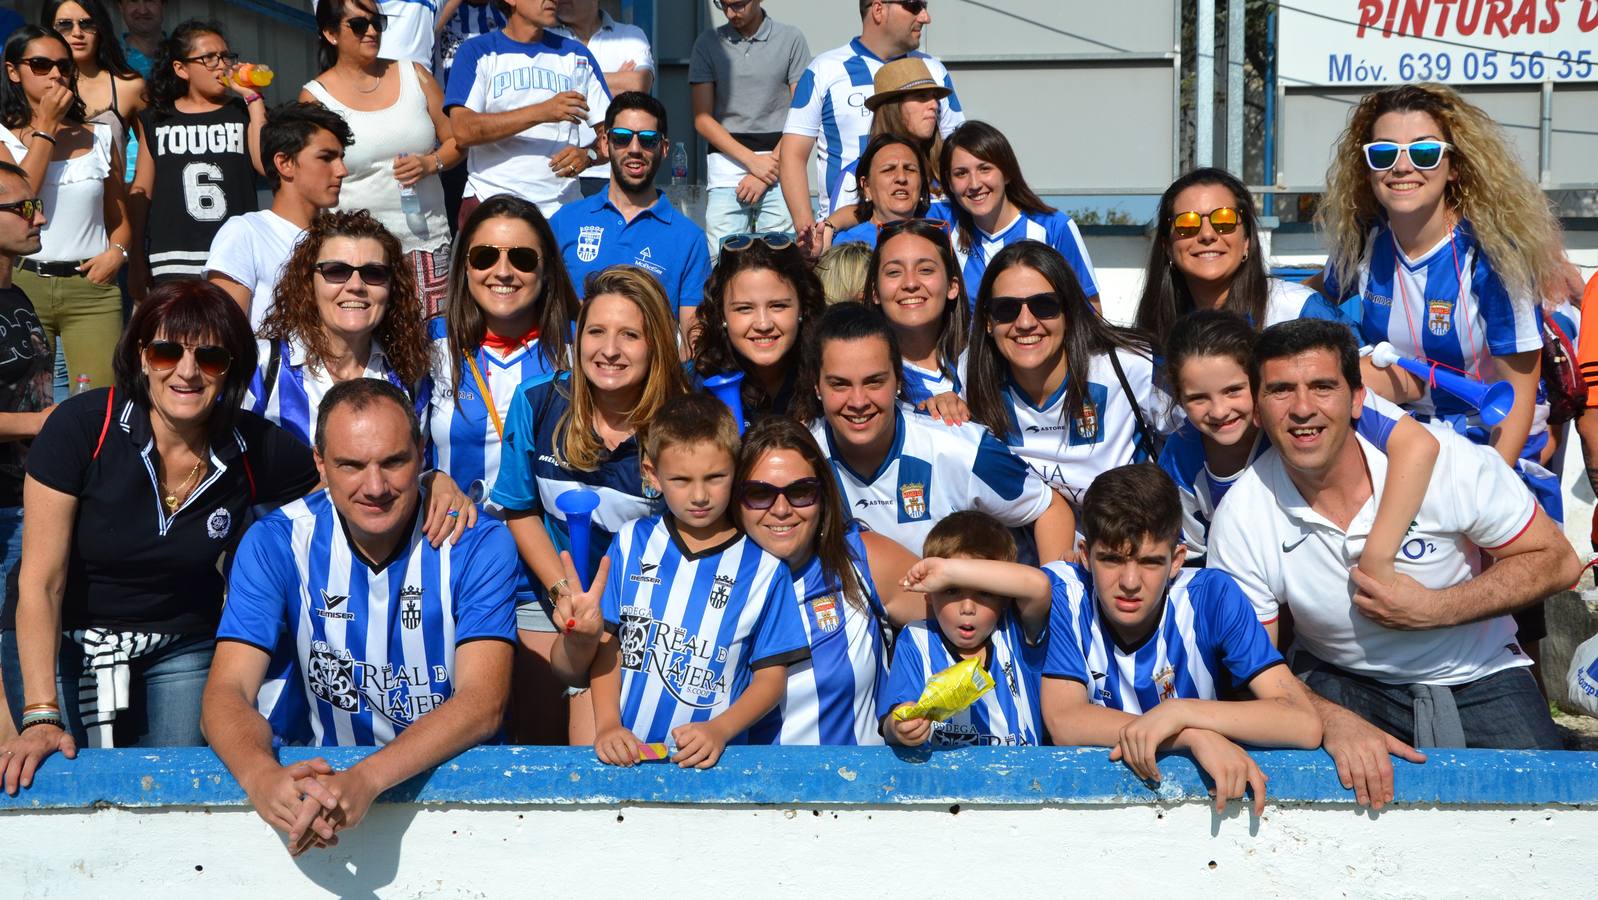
(253, 75)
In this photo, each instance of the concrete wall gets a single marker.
(502, 822)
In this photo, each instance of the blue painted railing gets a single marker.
(820, 776)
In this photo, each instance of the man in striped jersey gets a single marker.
(345, 627)
(1140, 648)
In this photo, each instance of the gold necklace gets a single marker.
(173, 497)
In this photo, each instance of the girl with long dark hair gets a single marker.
(917, 284)
(112, 91)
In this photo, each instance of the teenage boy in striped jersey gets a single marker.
(345, 627)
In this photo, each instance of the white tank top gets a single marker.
(381, 135)
(74, 199)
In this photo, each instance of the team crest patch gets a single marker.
(411, 607)
(1087, 422)
(913, 497)
(218, 523)
(1165, 680)
(588, 238)
(1439, 316)
(722, 592)
(826, 610)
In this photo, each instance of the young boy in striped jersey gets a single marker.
(970, 621)
(701, 622)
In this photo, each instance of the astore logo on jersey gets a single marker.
(1043, 429)
(864, 503)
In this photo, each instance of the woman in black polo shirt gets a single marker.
(132, 495)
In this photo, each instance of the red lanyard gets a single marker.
(1459, 279)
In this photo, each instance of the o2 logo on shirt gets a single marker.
(1415, 548)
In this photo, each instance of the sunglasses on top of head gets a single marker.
(732, 6)
(1004, 310)
(1383, 155)
(801, 493)
(776, 240)
(211, 360)
(621, 138)
(1224, 219)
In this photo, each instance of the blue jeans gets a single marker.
(10, 539)
(1504, 711)
(164, 707)
(725, 215)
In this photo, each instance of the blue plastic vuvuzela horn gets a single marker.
(1493, 398)
(578, 505)
(728, 388)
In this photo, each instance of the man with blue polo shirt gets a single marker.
(345, 627)
(829, 113)
(632, 222)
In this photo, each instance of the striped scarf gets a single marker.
(103, 686)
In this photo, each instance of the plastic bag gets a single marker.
(949, 692)
(1583, 677)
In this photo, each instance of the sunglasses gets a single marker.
(731, 6)
(163, 355)
(913, 7)
(1223, 219)
(28, 209)
(360, 24)
(776, 240)
(486, 256)
(41, 65)
(902, 225)
(1005, 310)
(87, 26)
(1383, 155)
(805, 492)
(335, 272)
(623, 137)
(214, 59)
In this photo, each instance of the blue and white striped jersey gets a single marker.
(1008, 714)
(1207, 640)
(360, 652)
(1422, 309)
(1069, 448)
(932, 470)
(693, 627)
(296, 394)
(461, 433)
(829, 104)
(532, 474)
(832, 697)
(1055, 229)
(1289, 300)
(1182, 458)
(920, 384)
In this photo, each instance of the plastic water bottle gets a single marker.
(411, 205)
(679, 176)
(82, 385)
(580, 76)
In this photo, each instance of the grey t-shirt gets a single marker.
(753, 76)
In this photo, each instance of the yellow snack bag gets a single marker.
(948, 692)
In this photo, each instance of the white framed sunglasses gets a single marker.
(1383, 155)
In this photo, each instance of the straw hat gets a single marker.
(903, 76)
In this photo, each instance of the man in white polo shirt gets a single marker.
(1431, 659)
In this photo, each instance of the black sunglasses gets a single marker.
(335, 272)
(487, 256)
(913, 7)
(360, 24)
(623, 137)
(41, 65)
(163, 355)
(1005, 310)
(87, 26)
(28, 209)
(804, 492)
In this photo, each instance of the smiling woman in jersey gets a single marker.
(131, 497)
(893, 185)
(915, 280)
(580, 430)
(1069, 392)
(899, 473)
(848, 582)
(1206, 254)
(760, 301)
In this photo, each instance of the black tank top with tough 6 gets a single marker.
(203, 176)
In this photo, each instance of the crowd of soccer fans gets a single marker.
(472, 435)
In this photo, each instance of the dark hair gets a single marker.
(989, 144)
(14, 169)
(842, 322)
(953, 330)
(636, 100)
(691, 419)
(1166, 296)
(358, 394)
(1208, 332)
(165, 87)
(189, 310)
(1127, 504)
(108, 53)
(330, 17)
(713, 352)
(775, 433)
(971, 534)
(1087, 334)
(557, 300)
(289, 128)
(1297, 336)
(15, 110)
(868, 208)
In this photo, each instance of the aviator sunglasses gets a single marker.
(335, 272)
(163, 355)
(487, 256)
(1383, 155)
(1224, 219)
(776, 240)
(802, 493)
(1005, 310)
